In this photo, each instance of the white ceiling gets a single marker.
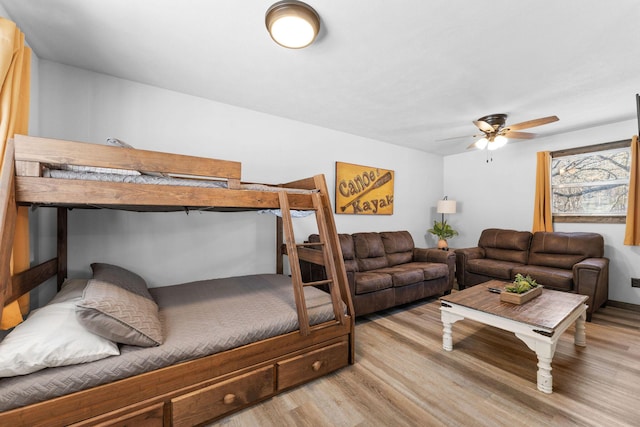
(407, 72)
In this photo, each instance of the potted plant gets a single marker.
(442, 231)
(523, 289)
(521, 284)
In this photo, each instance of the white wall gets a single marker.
(500, 194)
(169, 248)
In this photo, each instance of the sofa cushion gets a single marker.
(369, 251)
(371, 281)
(505, 245)
(430, 270)
(399, 258)
(368, 264)
(493, 268)
(346, 244)
(398, 245)
(549, 277)
(348, 251)
(402, 275)
(397, 241)
(350, 265)
(563, 250)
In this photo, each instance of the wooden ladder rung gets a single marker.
(310, 244)
(318, 283)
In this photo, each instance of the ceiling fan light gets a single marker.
(500, 141)
(292, 24)
(482, 143)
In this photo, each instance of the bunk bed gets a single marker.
(203, 384)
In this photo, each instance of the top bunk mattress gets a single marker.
(119, 176)
(198, 319)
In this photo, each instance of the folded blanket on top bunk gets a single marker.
(198, 319)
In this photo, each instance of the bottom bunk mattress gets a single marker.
(198, 319)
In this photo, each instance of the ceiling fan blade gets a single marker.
(533, 123)
(519, 135)
(483, 126)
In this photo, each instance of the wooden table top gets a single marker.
(546, 311)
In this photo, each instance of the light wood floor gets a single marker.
(403, 377)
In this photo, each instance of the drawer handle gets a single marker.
(229, 398)
(316, 365)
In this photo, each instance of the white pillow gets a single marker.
(118, 143)
(51, 336)
(71, 289)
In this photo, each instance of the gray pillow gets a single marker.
(117, 305)
(121, 277)
(118, 315)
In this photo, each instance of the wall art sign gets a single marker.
(363, 190)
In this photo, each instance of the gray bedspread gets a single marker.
(199, 319)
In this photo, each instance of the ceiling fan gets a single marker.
(496, 134)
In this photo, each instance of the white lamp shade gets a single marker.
(500, 141)
(446, 207)
(482, 143)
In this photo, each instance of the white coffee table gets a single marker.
(539, 322)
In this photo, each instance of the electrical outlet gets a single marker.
(635, 282)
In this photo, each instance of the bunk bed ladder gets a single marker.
(296, 251)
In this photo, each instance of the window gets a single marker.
(590, 184)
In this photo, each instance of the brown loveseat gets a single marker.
(572, 262)
(386, 269)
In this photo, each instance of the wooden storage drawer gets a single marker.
(217, 399)
(312, 365)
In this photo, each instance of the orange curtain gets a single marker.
(15, 76)
(542, 219)
(632, 230)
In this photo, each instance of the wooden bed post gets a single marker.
(8, 214)
(279, 243)
(62, 246)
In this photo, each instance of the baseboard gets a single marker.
(625, 305)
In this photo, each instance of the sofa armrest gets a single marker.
(463, 256)
(591, 278)
(437, 255)
(432, 255)
(470, 253)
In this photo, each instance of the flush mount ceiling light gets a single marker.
(292, 24)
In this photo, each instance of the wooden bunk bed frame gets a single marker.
(191, 392)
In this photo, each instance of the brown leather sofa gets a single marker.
(572, 262)
(386, 269)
